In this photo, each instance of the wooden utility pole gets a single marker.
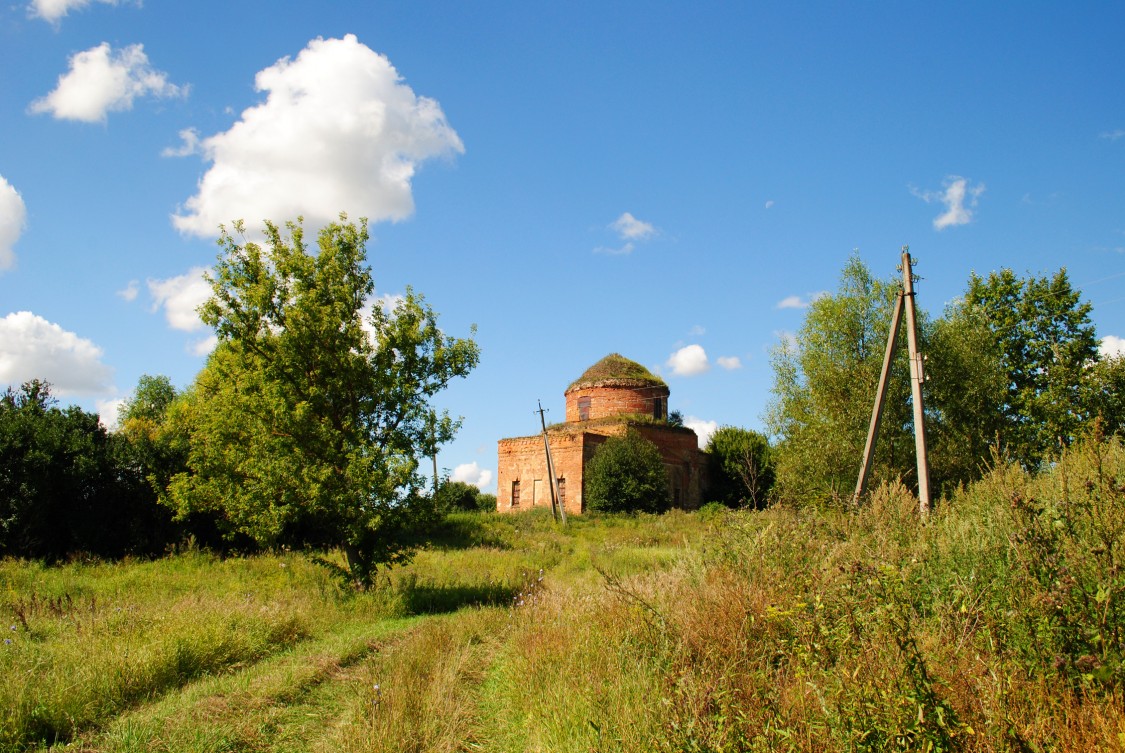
(916, 378)
(433, 447)
(557, 509)
(905, 299)
(880, 401)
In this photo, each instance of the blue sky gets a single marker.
(672, 181)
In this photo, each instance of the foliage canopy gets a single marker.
(627, 474)
(307, 422)
(740, 467)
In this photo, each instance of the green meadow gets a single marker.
(995, 624)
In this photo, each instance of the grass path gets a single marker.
(295, 701)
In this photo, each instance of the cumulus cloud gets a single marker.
(180, 297)
(703, 429)
(1112, 346)
(203, 346)
(471, 473)
(129, 292)
(730, 363)
(108, 411)
(54, 10)
(338, 131)
(13, 219)
(101, 81)
(189, 144)
(33, 348)
(631, 230)
(688, 361)
(797, 302)
(956, 192)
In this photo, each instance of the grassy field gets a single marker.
(998, 624)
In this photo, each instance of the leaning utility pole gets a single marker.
(557, 510)
(905, 299)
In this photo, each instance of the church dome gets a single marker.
(615, 370)
(616, 387)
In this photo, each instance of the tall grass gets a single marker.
(85, 642)
(995, 624)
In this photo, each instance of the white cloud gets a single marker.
(688, 361)
(338, 131)
(101, 81)
(203, 346)
(1113, 135)
(33, 348)
(631, 229)
(471, 473)
(957, 191)
(13, 219)
(703, 429)
(797, 302)
(189, 144)
(786, 339)
(180, 297)
(1112, 346)
(769, 204)
(698, 331)
(129, 292)
(730, 363)
(108, 410)
(54, 10)
(619, 251)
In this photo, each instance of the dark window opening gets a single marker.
(562, 490)
(515, 494)
(658, 408)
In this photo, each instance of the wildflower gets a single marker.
(7, 641)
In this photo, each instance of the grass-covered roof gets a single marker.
(617, 369)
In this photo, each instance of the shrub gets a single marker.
(627, 474)
(740, 467)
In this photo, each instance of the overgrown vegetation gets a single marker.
(626, 474)
(997, 624)
(1013, 365)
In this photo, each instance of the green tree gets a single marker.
(308, 420)
(965, 389)
(1044, 343)
(59, 486)
(825, 380)
(627, 474)
(152, 449)
(455, 496)
(739, 467)
(1105, 385)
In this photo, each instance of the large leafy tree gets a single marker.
(626, 474)
(740, 467)
(59, 491)
(308, 420)
(1044, 344)
(825, 380)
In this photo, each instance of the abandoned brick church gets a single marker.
(612, 396)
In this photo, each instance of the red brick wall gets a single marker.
(522, 459)
(606, 401)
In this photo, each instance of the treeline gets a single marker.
(1013, 373)
(303, 430)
